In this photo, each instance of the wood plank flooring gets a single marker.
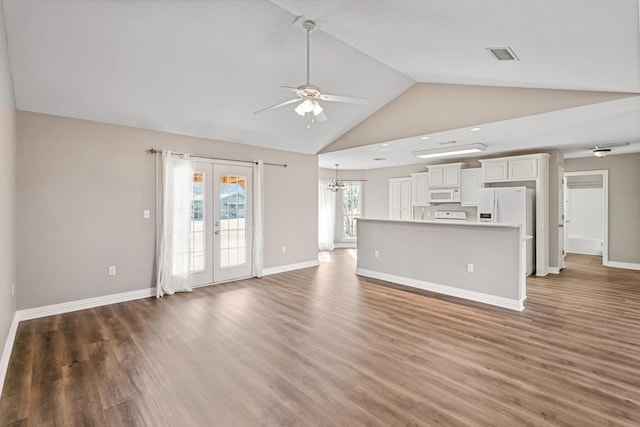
(321, 346)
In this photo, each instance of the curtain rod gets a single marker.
(154, 151)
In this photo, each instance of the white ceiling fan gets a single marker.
(309, 95)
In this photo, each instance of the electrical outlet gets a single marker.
(284, 249)
(112, 270)
(146, 214)
(469, 268)
(376, 253)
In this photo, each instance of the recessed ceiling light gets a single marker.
(385, 144)
(474, 129)
(424, 137)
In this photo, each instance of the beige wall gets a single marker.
(82, 189)
(7, 221)
(7, 194)
(376, 192)
(427, 108)
(624, 202)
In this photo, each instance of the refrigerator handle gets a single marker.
(495, 208)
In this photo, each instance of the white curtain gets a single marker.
(258, 213)
(174, 256)
(326, 216)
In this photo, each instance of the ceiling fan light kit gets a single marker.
(604, 150)
(601, 152)
(309, 95)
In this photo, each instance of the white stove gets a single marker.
(450, 215)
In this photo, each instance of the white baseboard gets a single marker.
(66, 307)
(283, 268)
(511, 304)
(8, 347)
(627, 265)
(346, 245)
(584, 253)
(554, 270)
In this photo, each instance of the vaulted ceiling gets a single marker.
(203, 67)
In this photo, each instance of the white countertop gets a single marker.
(442, 222)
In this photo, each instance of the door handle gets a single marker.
(216, 223)
(216, 232)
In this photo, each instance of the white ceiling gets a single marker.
(203, 67)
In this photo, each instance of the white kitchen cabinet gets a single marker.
(525, 168)
(495, 170)
(445, 175)
(420, 187)
(517, 168)
(400, 198)
(470, 182)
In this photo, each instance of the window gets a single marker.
(351, 209)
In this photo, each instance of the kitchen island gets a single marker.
(477, 261)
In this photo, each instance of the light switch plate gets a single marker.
(147, 214)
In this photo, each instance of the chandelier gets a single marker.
(334, 184)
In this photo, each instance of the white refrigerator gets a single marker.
(510, 205)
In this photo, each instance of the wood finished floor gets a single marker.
(321, 346)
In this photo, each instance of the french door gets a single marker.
(221, 223)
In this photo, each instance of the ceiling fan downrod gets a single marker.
(308, 26)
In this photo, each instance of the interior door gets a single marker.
(232, 222)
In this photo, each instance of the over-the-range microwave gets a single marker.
(444, 195)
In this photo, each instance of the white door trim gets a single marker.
(605, 204)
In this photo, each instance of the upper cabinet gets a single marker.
(471, 181)
(517, 168)
(400, 198)
(420, 187)
(445, 175)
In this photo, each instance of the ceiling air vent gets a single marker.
(446, 143)
(503, 53)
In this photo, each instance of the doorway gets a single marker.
(221, 223)
(586, 213)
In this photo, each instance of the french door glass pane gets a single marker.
(232, 220)
(198, 223)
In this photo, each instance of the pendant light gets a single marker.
(334, 184)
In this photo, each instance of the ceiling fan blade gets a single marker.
(343, 98)
(282, 104)
(293, 89)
